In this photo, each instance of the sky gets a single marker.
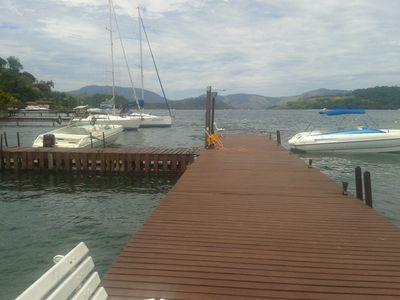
(269, 47)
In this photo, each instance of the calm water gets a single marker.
(42, 215)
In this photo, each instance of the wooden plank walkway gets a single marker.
(251, 221)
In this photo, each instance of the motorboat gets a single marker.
(362, 139)
(79, 135)
(127, 122)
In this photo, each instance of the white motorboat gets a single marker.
(80, 135)
(360, 140)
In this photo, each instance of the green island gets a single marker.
(380, 97)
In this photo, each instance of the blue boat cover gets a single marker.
(337, 112)
(360, 131)
(133, 104)
(106, 107)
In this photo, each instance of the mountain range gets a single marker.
(233, 101)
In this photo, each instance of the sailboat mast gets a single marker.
(112, 53)
(141, 54)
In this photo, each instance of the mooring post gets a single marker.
(213, 95)
(1, 153)
(368, 189)
(359, 188)
(278, 137)
(345, 186)
(91, 140)
(104, 140)
(5, 139)
(18, 141)
(208, 108)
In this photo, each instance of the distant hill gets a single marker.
(380, 97)
(149, 96)
(233, 101)
(323, 92)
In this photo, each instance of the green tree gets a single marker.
(3, 63)
(14, 64)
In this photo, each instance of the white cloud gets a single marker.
(269, 47)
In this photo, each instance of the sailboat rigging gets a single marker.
(133, 120)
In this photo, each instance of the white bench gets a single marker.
(72, 277)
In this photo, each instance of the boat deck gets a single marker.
(252, 221)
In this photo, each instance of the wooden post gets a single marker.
(104, 140)
(207, 123)
(1, 153)
(278, 137)
(213, 95)
(91, 140)
(310, 163)
(345, 185)
(359, 188)
(368, 189)
(5, 139)
(18, 141)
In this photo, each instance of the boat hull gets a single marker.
(128, 123)
(74, 136)
(156, 121)
(386, 141)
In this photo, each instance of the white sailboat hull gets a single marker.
(384, 141)
(75, 136)
(128, 122)
(148, 121)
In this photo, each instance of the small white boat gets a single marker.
(359, 140)
(81, 135)
(127, 122)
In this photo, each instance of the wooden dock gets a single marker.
(252, 221)
(98, 160)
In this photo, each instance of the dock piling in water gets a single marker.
(368, 188)
(18, 140)
(5, 139)
(278, 137)
(359, 187)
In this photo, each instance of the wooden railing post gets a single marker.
(18, 141)
(1, 153)
(359, 188)
(278, 137)
(5, 139)
(91, 140)
(368, 189)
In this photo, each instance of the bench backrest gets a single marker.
(72, 277)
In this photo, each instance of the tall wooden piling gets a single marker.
(358, 179)
(1, 153)
(5, 139)
(207, 116)
(18, 140)
(368, 189)
(278, 137)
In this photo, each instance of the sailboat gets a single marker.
(148, 120)
(132, 120)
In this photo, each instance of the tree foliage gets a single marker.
(18, 87)
(380, 97)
